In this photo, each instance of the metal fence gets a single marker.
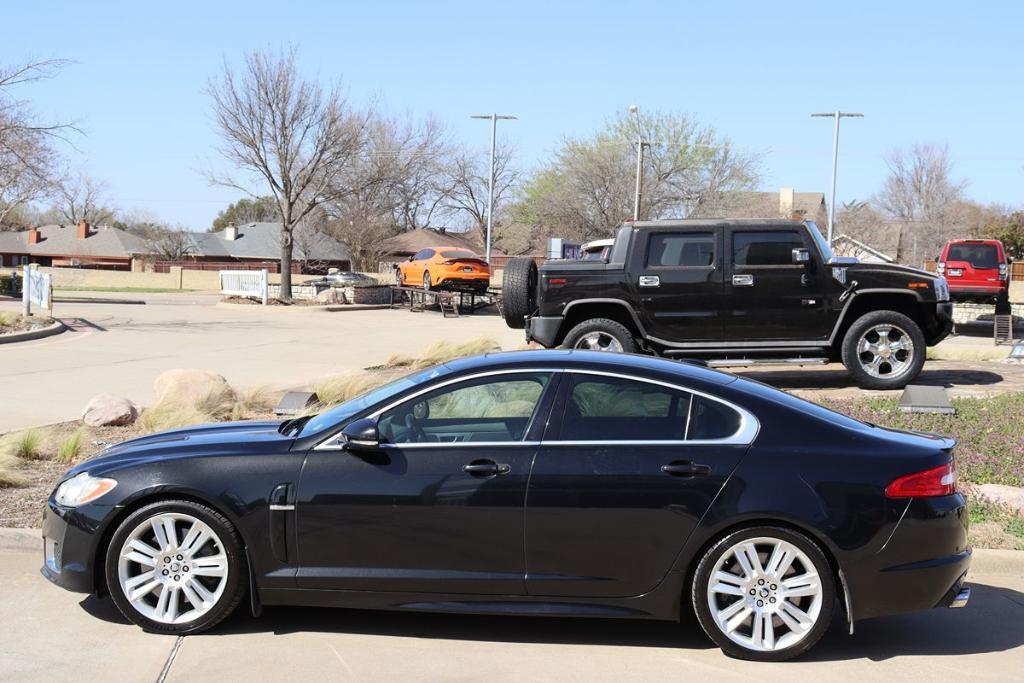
(248, 283)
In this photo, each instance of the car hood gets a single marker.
(202, 440)
(894, 269)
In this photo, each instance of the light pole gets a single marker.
(490, 180)
(835, 162)
(635, 110)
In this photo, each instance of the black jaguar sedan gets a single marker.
(570, 483)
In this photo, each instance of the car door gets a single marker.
(624, 474)
(438, 507)
(678, 280)
(768, 296)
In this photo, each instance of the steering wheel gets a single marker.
(413, 425)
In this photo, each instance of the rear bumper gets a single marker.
(469, 283)
(543, 329)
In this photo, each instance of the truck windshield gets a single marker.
(823, 245)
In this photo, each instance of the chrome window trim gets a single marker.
(744, 436)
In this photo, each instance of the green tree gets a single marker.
(245, 210)
(1008, 229)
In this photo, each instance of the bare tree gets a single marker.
(27, 156)
(467, 180)
(82, 197)
(169, 244)
(289, 132)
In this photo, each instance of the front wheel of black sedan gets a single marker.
(176, 567)
(764, 593)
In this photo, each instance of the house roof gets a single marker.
(102, 241)
(767, 205)
(864, 247)
(263, 241)
(410, 242)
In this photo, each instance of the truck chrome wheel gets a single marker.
(598, 341)
(885, 351)
(764, 594)
(172, 568)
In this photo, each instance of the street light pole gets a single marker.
(835, 164)
(490, 180)
(639, 163)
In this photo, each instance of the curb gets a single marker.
(327, 308)
(56, 328)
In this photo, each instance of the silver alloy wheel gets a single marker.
(765, 594)
(598, 341)
(885, 351)
(172, 568)
(399, 280)
(426, 281)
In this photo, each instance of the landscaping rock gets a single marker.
(1009, 497)
(189, 386)
(105, 410)
(330, 296)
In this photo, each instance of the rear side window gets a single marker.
(674, 250)
(615, 409)
(712, 420)
(978, 255)
(773, 248)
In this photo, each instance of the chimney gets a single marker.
(786, 202)
(231, 233)
(33, 236)
(83, 229)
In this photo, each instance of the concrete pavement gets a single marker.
(121, 348)
(51, 635)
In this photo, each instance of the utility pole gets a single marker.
(835, 163)
(490, 181)
(639, 162)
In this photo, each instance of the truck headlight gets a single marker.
(82, 489)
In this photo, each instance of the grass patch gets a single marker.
(8, 318)
(27, 444)
(442, 352)
(334, 390)
(140, 290)
(170, 415)
(9, 474)
(991, 445)
(70, 448)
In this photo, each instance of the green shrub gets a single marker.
(71, 448)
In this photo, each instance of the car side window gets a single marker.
(616, 409)
(681, 250)
(711, 420)
(420, 255)
(427, 253)
(774, 248)
(493, 409)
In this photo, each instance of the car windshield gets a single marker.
(354, 406)
(458, 253)
(978, 255)
(823, 245)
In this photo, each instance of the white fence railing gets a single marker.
(244, 283)
(36, 289)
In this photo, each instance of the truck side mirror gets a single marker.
(801, 256)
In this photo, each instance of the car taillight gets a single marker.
(940, 268)
(1002, 271)
(938, 481)
(557, 281)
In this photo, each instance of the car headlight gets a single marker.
(941, 289)
(82, 489)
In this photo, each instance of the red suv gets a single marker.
(977, 270)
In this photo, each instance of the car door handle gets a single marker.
(486, 468)
(742, 280)
(685, 468)
(650, 281)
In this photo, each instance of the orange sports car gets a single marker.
(445, 268)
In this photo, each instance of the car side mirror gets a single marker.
(801, 256)
(361, 435)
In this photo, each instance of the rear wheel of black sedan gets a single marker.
(176, 567)
(764, 593)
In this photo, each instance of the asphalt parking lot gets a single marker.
(51, 635)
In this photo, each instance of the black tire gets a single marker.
(853, 362)
(704, 575)
(426, 281)
(237, 579)
(519, 291)
(617, 330)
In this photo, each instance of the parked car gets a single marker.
(562, 483)
(734, 292)
(445, 268)
(977, 270)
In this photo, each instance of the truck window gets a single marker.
(978, 255)
(773, 248)
(675, 250)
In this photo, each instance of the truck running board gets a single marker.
(744, 362)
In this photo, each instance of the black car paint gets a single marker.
(597, 531)
(701, 308)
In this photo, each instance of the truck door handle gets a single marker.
(486, 468)
(742, 280)
(650, 281)
(685, 468)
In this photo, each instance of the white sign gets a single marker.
(36, 289)
(244, 283)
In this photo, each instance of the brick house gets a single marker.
(74, 246)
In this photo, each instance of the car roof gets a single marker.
(591, 360)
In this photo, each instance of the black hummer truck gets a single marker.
(734, 292)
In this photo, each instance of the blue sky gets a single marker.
(921, 72)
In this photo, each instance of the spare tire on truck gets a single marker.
(519, 291)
